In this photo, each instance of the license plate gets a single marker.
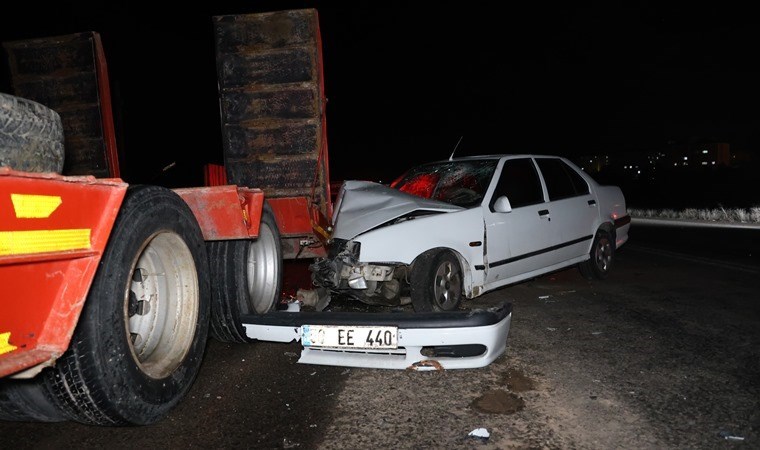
(358, 337)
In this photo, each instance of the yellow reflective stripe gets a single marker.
(40, 241)
(6, 346)
(29, 206)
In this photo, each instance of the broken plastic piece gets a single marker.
(307, 297)
(730, 437)
(481, 433)
(426, 363)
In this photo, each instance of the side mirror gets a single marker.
(502, 205)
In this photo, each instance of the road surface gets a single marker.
(663, 354)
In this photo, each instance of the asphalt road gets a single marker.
(663, 354)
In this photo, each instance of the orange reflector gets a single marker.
(41, 241)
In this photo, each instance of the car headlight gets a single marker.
(344, 247)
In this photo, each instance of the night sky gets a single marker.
(404, 83)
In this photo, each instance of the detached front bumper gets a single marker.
(426, 341)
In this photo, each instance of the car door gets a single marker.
(572, 208)
(517, 241)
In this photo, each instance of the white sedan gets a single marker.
(458, 228)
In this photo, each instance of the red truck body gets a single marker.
(54, 230)
(51, 240)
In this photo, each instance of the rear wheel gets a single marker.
(247, 278)
(436, 281)
(602, 257)
(27, 401)
(141, 337)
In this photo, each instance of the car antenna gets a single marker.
(455, 148)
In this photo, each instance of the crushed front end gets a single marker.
(342, 274)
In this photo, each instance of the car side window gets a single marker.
(520, 183)
(561, 180)
(580, 185)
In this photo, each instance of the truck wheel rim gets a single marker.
(262, 271)
(162, 305)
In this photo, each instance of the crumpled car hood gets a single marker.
(365, 205)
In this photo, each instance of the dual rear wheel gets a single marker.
(140, 340)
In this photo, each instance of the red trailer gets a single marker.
(110, 290)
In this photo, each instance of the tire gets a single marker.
(27, 401)
(436, 281)
(247, 278)
(141, 336)
(602, 253)
(31, 136)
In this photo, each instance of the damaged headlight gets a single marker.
(327, 272)
(343, 248)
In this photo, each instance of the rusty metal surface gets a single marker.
(225, 212)
(68, 74)
(284, 178)
(271, 90)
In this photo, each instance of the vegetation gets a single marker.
(719, 214)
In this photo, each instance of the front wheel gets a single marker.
(436, 281)
(140, 339)
(598, 266)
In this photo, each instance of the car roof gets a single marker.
(497, 156)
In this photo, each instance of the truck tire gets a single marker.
(31, 136)
(247, 278)
(27, 401)
(141, 336)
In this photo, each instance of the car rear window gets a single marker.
(561, 180)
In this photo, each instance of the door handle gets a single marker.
(592, 203)
(544, 214)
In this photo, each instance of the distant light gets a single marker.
(638, 171)
(685, 158)
(704, 163)
(713, 162)
(704, 152)
(625, 167)
(675, 164)
(589, 160)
